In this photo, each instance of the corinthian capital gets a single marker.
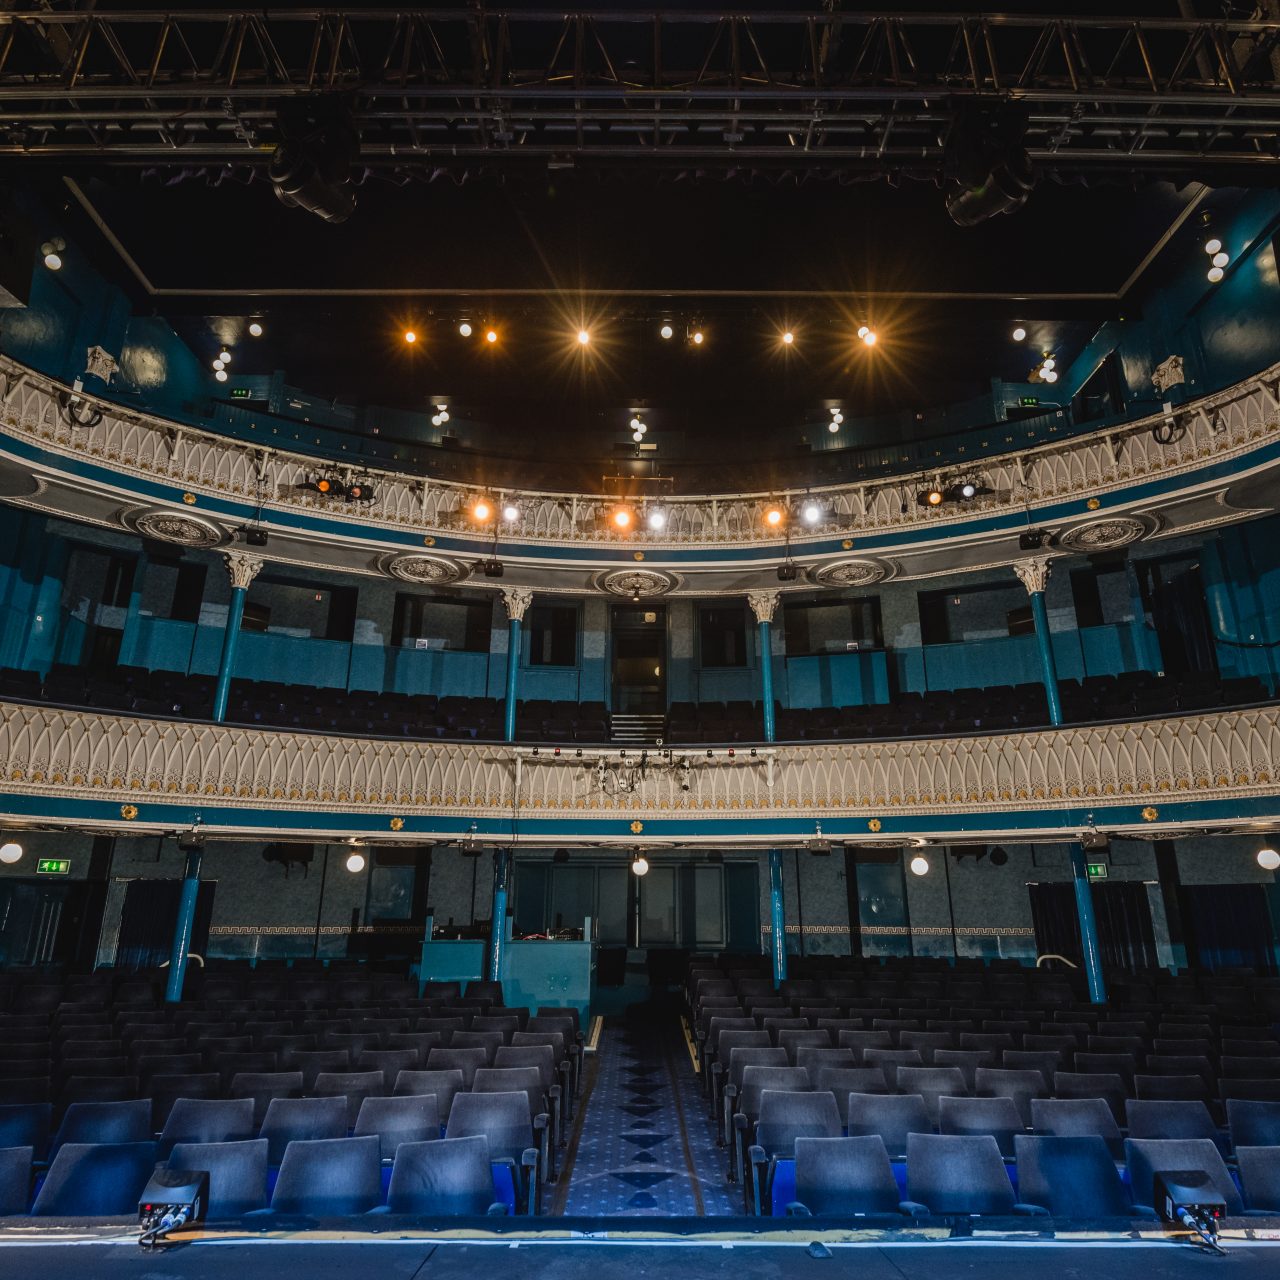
(763, 604)
(242, 568)
(517, 600)
(1033, 572)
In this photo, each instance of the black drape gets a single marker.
(148, 919)
(1228, 926)
(1123, 915)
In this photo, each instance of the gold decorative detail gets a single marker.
(189, 499)
(1093, 504)
(1150, 814)
(428, 541)
(397, 824)
(637, 555)
(847, 544)
(873, 824)
(637, 827)
(128, 812)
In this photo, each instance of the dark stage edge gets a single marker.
(323, 1257)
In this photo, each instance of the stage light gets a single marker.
(968, 489)
(11, 852)
(1049, 376)
(637, 436)
(788, 338)
(511, 513)
(52, 251)
(635, 424)
(255, 329)
(221, 375)
(1268, 858)
(696, 337)
(1049, 363)
(583, 337)
(465, 329)
(1213, 246)
(1019, 334)
(773, 516)
(1215, 274)
(657, 518)
(642, 428)
(442, 412)
(359, 491)
(833, 426)
(639, 865)
(622, 518)
(225, 356)
(410, 337)
(491, 336)
(930, 497)
(863, 330)
(812, 513)
(919, 865)
(481, 509)
(869, 337)
(355, 862)
(666, 332)
(437, 420)
(217, 364)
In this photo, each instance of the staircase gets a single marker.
(637, 730)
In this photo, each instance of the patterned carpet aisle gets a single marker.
(647, 1148)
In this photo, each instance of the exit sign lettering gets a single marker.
(53, 867)
(1096, 870)
(1025, 402)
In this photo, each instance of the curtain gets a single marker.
(149, 917)
(1122, 913)
(1228, 926)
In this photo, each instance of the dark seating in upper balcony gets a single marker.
(274, 704)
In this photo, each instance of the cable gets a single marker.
(69, 415)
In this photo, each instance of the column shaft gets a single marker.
(184, 928)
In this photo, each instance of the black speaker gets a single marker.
(255, 537)
(491, 568)
(787, 573)
(1031, 539)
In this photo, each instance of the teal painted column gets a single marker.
(129, 634)
(184, 928)
(777, 918)
(1089, 944)
(1034, 575)
(763, 605)
(498, 921)
(242, 570)
(517, 600)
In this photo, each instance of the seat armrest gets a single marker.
(529, 1159)
(797, 1210)
(496, 1210)
(1031, 1210)
(758, 1166)
(913, 1209)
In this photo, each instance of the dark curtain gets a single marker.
(149, 917)
(1228, 926)
(1123, 915)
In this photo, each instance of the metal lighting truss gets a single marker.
(862, 93)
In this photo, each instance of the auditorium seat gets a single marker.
(950, 1174)
(1251, 1124)
(237, 1173)
(264, 1088)
(393, 1121)
(327, 1178)
(504, 1120)
(1170, 1119)
(88, 1123)
(27, 1124)
(892, 1118)
(997, 1117)
(301, 1119)
(1145, 1157)
(1259, 1169)
(445, 1085)
(98, 1179)
(15, 1180)
(932, 1083)
(842, 1177)
(206, 1122)
(467, 1061)
(354, 1087)
(449, 1177)
(784, 1117)
(1078, 1118)
(1070, 1177)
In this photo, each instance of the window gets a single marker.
(308, 610)
(973, 613)
(553, 635)
(442, 622)
(722, 634)
(1101, 593)
(832, 626)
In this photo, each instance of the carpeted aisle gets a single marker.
(647, 1147)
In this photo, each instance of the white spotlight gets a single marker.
(968, 489)
(666, 331)
(443, 412)
(863, 330)
(437, 420)
(355, 862)
(869, 337)
(1049, 376)
(788, 337)
(1212, 245)
(225, 356)
(640, 865)
(217, 364)
(637, 436)
(1221, 259)
(1019, 334)
(1050, 363)
(919, 865)
(583, 337)
(697, 337)
(642, 428)
(465, 329)
(833, 426)
(1215, 274)
(1268, 858)
(11, 852)
(221, 375)
(255, 329)
(511, 513)
(811, 513)
(635, 424)
(657, 518)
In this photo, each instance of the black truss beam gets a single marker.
(861, 92)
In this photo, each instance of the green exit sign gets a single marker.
(240, 393)
(1096, 870)
(53, 867)
(1025, 402)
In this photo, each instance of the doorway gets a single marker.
(1174, 593)
(43, 923)
(1122, 912)
(148, 919)
(638, 676)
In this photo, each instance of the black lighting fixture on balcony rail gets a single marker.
(330, 486)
